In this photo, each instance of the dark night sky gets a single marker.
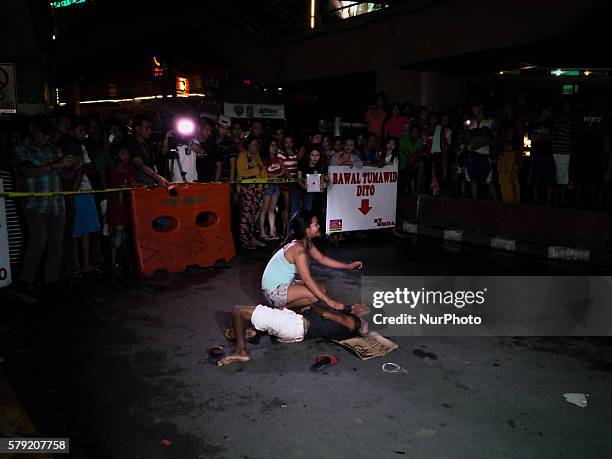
(188, 30)
(109, 34)
(103, 37)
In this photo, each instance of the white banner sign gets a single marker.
(254, 111)
(5, 262)
(361, 199)
(8, 91)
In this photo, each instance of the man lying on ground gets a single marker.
(291, 327)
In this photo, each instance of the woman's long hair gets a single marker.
(395, 152)
(304, 163)
(298, 224)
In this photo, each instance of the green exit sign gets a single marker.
(65, 3)
(568, 89)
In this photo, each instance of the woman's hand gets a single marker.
(356, 265)
(335, 304)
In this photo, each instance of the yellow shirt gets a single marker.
(257, 169)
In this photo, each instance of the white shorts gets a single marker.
(285, 324)
(562, 166)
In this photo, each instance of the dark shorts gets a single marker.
(478, 168)
(271, 190)
(543, 170)
(328, 329)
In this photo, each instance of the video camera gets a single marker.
(184, 130)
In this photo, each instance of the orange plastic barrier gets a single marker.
(191, 228)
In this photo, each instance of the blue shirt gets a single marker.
(278, 271)
(29, 154)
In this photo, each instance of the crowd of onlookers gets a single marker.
(557, 155)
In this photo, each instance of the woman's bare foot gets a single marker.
(234, 358)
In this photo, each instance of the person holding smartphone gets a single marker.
(40, 165)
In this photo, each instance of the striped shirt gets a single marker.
(28, 154)
(564, 137)
(225, 151)
(290, 162)
(481, 132)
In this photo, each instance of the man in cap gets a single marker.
(225, 151)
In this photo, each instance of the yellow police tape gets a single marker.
(26, 194)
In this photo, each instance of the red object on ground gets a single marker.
(165, 442)
(324, 361)
(191, 228)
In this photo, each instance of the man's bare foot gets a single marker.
(234, 358)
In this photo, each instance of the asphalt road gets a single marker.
(120, 367)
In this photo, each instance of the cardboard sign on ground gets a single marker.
(369, 347)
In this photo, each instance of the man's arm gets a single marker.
(232, 168)
(330, 262)
(217, 170)
(139, 163)
(343, 319)
(78, 178)
(28, 170)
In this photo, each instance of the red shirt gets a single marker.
(375, 119)
(395, 126)
(118, 201)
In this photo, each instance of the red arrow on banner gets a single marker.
(365, 206)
